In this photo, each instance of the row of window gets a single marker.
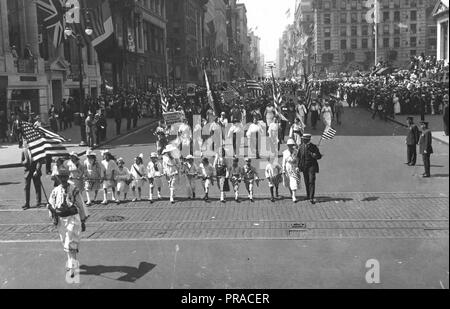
(156, 6)
(386, 43)
(358, 4)
(153, 39)
(345, 18)
(369, 30)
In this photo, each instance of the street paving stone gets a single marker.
(390, 215)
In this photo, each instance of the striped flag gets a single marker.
(209, 94)
(42, 142)
(164, 102)
(308, 92)
(329, 133)
(277, 99)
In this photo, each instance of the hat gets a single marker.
(190, 157)
(291, 142)
(120, 160)
(236, 160)
(140, 156)
(248, 160)
(424, 123)
(90, 153)
(169, 148)
(153, 155)
(205, 160)
(73, 154)
(105, 152)
(63, 172)
(307, 136)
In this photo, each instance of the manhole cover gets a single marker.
(298, 226)
(114, 219)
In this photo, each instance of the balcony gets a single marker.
(26, 65)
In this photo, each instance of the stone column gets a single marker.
(439, 40)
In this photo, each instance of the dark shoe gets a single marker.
(223, 201)
(426, 176)
(252, 200)
(272, 200)
(407, 163)
(313, 201)
(193, 196)
(26, 207)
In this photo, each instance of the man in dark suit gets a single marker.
(32, 172)
(426, 148)
(308, 155)
(412, 139)
(446, 117)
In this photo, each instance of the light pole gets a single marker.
(172, 54)
(70, 33)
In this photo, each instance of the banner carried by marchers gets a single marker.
(173, 118)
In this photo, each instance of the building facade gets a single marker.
(441, 14)
(344, 38)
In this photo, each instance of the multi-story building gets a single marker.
(305, 23)
(243, 40)
(186, 40)
(344, 40)
(256, 61)
(441, 14)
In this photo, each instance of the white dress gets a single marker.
(122, 176)
(327, 115)
(290, 168)
(397, 106)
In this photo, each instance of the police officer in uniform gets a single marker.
(308, 155)
(412, 139)
(426, 148)
(33, 172)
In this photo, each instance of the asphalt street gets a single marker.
(371, 206)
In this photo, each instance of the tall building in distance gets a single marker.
(337, 36)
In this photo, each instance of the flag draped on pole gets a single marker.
(42, 142)
(329, 133)
(277, 99)
(164, 102)
(308, 92)
(209, 94)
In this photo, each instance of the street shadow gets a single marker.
(435, 166)
(370, 199)
(321, 199)
(440, 176)
(132, 274)
(9, 183)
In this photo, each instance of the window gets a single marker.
(343, 31)
(343, 4)
(354, 44)
(396, 29)
(396, 42)
(396, 4)
(327, 32)
(364, 43)
(354, 4)
(386, 42)
(327, 19)
(396, 16)
(413, 15)
(365, 30)
(327, 44)
(354, 31)
(413, 41)
(326, 5)
(386, 16)
(413, 52)
(343, 18)
(334, 4)
(386, 29)
(354, 18)
(413, 28)
(344, 44)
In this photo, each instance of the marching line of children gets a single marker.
(111, 175)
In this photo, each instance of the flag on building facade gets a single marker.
(50, 14)
(42, 142)
(329, 133)
(164, 102)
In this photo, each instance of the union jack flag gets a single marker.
(51, 16)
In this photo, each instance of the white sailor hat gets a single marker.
(169, 148)
(306, 136)
(190, 157)
(291, 142)
(153, 155)
(90, 153)
(105, 152)
(74, 154)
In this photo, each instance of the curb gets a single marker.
(405, 126)
(17, 165)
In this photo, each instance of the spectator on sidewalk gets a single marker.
(3, 127)
(117, 116)
(90, 123)
(412, 139)
(102, 125)
(426, 148)
(53, 123)
(446, 115)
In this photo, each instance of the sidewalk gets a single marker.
(10, 154)
(436, 125)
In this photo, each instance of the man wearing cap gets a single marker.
(426, 148)
(154, 174)
(77, 172)
(69, 213)
(191, 172)
(108, 175)
(170, 167)
(412, 139)
(93, 174)
(250, 176)
(308, 155)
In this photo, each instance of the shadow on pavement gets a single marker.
(132, 274)
(9, 183)
(321, 199)
(370, 199)
(440, 176)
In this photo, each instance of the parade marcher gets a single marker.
(236, 133)
(314, 110)
(254, 133)
(339, 111)
(171, 170)
(296, 131)
(222, 177)
(206, 173)
(412, 140)
(426, 148)
(235, 173)
(69, 213)
(273, 174)
(301, 112)
(77, 172)
(33, 172)
(270, 114)
(308, 155)
(290, 169)
(185, 137)
(123, 180)
(284, 123)
(109, 171)
(274, 141)
(327, 115)
(139, 175)
(59, 162)
(161, 135)
(250, 177)
(93, 175)
(191, 172)
(154, 175)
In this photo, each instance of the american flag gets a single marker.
(164, 102)
(329, 133)
(308, 92)
(51, 16)
(277, 99)
(209, 94)
(42, 142)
